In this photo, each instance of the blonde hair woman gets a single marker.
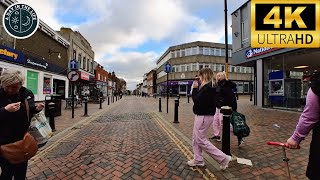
(225, 97)
(14, 121)
(204, 99)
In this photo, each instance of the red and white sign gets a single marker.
(84, 76)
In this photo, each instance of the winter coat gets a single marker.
(13, 125)
(225, 94)
(204, 100)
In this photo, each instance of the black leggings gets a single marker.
(18, 171)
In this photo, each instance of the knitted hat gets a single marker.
(10, 77)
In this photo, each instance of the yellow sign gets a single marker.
(5, 52)
(285, 23)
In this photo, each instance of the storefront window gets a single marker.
(284, 85)
(32, 81)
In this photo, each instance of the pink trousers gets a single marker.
(200, 143)
(217, 123)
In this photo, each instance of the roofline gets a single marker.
(240, 7)
(171, 47)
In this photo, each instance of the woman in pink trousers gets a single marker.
(204, 99)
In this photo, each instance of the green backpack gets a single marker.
(240, 128)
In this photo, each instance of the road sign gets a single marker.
(73, 76)
(73, 64)
(167, 68)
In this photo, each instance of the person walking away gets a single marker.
(310, 120)
(204, 99)
(14, 121)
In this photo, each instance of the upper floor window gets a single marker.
(194, 51)
(212, 51)
(84, 63)
(183, 68)
(206, 51)
(177, 53)
(188, 52)
(74, 54)
(79, 59)
(201, 50)
(194, 67)
(183, 53)
(223, 52)
(173, 55)
(217, 52)
(88, 65)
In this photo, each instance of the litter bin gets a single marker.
(56, 99)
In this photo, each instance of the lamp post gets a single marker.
(226, 36)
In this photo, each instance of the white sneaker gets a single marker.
(193, 163)
(225, 163)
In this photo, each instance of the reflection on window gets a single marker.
(205, 51)
(217, 52)
(223, 52)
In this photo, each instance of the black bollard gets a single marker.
(188, 98)
(100, 101)
(108, 100)
(176, 104)
(51, 116)
(85, 107)
(160, 104)
(116, 98)
(226, 111)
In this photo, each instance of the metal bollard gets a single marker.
(85, 107)
(160, 104)
(100, 101)
(108, 100)
(116, 98)
(51, 116)
(176, 104)
(226, 111)
(188, 98)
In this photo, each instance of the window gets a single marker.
(88, 65)
(200, 66)
(222, 67)
(188, 52)
(218, 67)
(188, 67)
(233, 69)
(99, 76)
(229, 68)
(79, 59)
(183, 53)
(243, 69)
(213, 67)
(217, 52)
(246, 87)
(74, 54)
(194, 67)
(173, 54)
(177, 53)
(223, 52)
(84, 63)
(206, 65)
(200, 50)
(206, 51)
(183, 68)
(194, 51)
(211, 51)
(173, 69)
(247, 69)
(230, 53)
(177, 69)
(238, 69)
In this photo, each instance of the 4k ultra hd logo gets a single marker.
(20, 21)
(285, 23)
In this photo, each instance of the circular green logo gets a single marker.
(20, 21)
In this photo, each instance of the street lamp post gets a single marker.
(226, 36)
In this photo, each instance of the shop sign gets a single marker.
(31, 62)
(183, 83)
(84, 76)
(11, 55)
(258, 51)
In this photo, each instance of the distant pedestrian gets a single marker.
(204, 99)
(310, 120)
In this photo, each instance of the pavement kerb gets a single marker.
(209, 159)
(63, 135)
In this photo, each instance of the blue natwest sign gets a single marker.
(12, 55)
(258, 51)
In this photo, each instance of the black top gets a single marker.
(225, 94)
(204, 100)
(13, 125)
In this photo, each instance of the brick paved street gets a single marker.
(130, 139)
(123, 141)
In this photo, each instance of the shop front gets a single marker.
(45, 78)
(175, 87)
(86, 85)
(281, 75)
(103, 87)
